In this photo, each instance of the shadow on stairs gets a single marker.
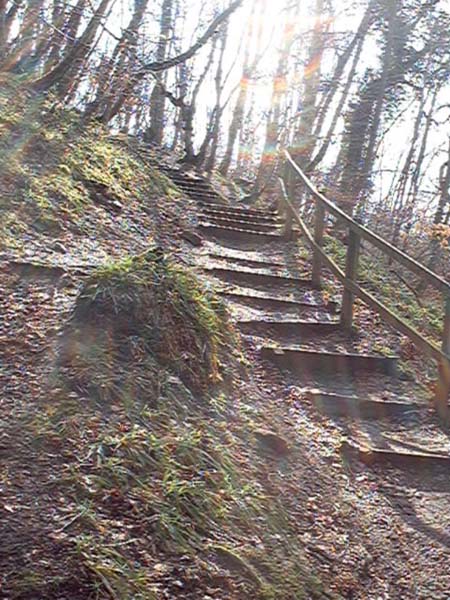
(275, 305)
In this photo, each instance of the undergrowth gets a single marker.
(164, 498)
(147, 306)
(422, 310)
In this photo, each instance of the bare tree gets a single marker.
(154, 133)
(249, 66)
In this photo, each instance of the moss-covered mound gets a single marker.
(71, 179)
(145, 308)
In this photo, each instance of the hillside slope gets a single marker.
(130, 467)
(146, 451)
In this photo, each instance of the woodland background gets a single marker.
(358, 90)
(147, 451)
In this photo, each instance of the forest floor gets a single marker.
(179, 497)
(365, 532)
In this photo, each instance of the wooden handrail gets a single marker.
(393, 252)
(358, 232)
(426, 345)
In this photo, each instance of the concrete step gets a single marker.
(241, 216)
(193, 186)
(256, 277)
(201, 196)
(247, 262)
(181, 175)
(242, 225)
(239, 210)
(339, 405)
(233, 234)
(300, 360)
(287, 327)
(236, 218)
(397, 458)
(262, 301)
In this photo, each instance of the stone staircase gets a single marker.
(266, 282)
(239, 224)
(194, 186)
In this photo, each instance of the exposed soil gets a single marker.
(368, 532)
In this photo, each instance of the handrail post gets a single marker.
(443, 387)
(319, 226)
(288, 225)
(351, 273)
(282, 208)
(289, 219)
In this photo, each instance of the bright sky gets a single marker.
(346, 20)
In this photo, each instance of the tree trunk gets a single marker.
(23, 57)
(304, 140)
(218, 109)
(382, 88)
(56, 43)
(341, 65)
(439, 217)
(415, 180)
(66, 69)
(113, 74)
(73, 24)
(404, 205)
(155, 132)
(3, 34)
(279, 88)
(339, 110)
(182, 85)
(248, 69)
(364, 121)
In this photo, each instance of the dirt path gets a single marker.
(371, 532)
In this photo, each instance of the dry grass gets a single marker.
(146, 308)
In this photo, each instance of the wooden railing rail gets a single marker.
(357, 233)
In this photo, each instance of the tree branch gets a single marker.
(157, 67)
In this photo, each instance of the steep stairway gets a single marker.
(267, 284)
(194, 186)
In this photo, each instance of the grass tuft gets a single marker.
(142, 309)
